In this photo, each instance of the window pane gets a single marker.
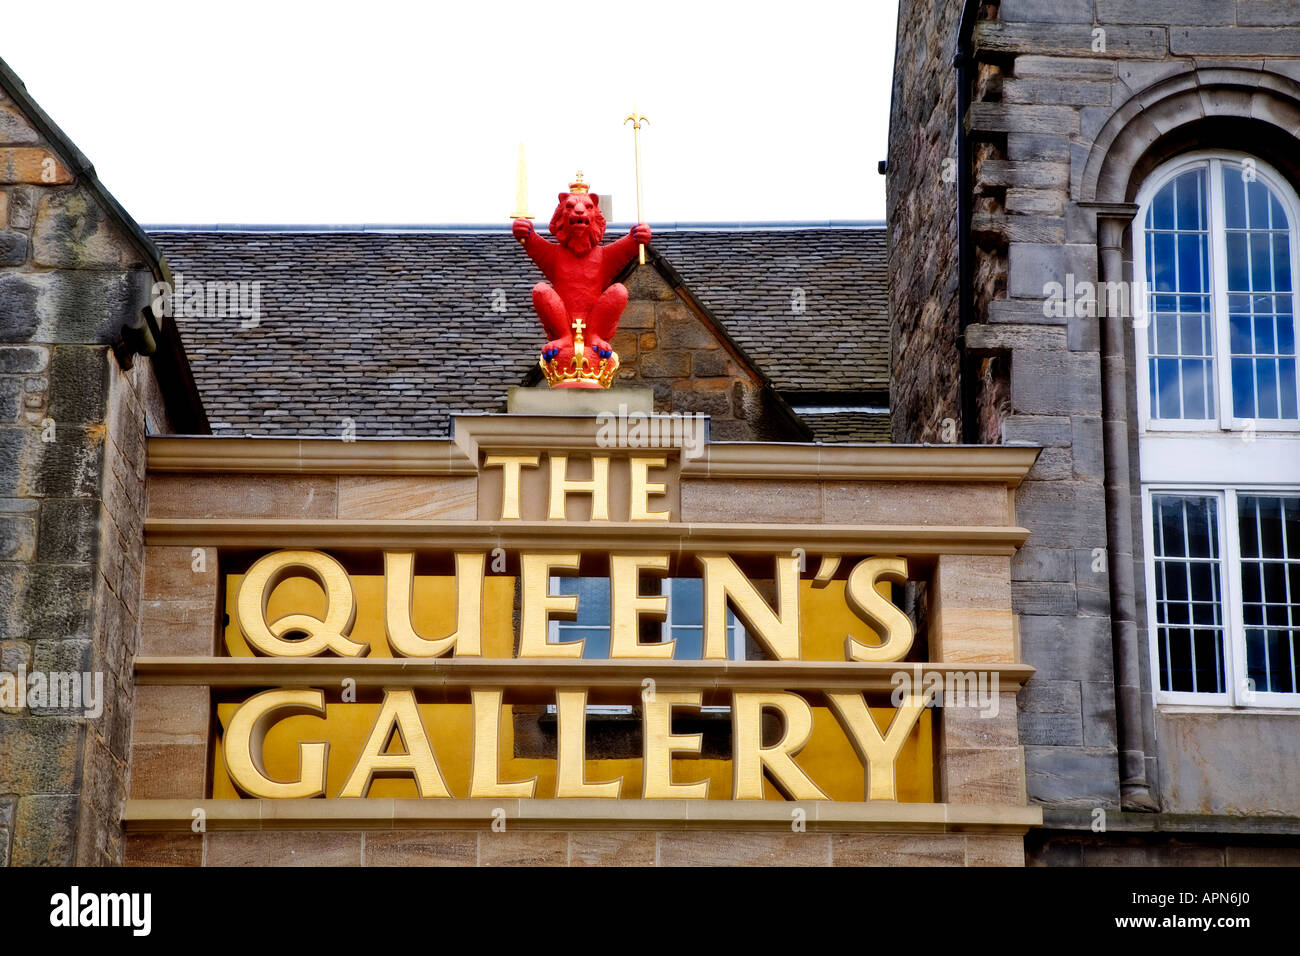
(1234, 201)
(1181, 342)
(686, 621)
(592, 623)
(1189, 603)
(1262, 344)
(1270, 586)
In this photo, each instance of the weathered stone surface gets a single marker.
(1034, 266)
(716, 848)
(1062, 513)
(743, 500)
(45, 831)
(523, 848)
(70, 306)
(1033, 563)
(163, 849)
(1064, 68)
(1058, 730)
(79, 377)
(1055, 383)
(989, 775)
(168, 771)
(1057, 92)
(1210, 763)
(665, 363)
(1023, 311)
(22, 207)
(1234, 41)
(178, 628)
(992, 37)
(645, 282)
(1262, 856)
(898, 849)
(1098, 714)
(710, 363)
(13, 248)
(413, 496)
(40, 755)
(32, 164)
(1072, 776)
(17, 359)
(421, 848)
(69, 531)
(612, 848)
(17, 538)
(1046, 11)
(997, 118)
(928, 503)
(15, 130)
(283, 848)
(230, 496)
(1044, 597)
(1054, 464)
(1192, 12)
(1046, 430)
(1273, 13)
(989, 849)
(1067, 648)
(72, 232)
(1161, 856)
(57, 599)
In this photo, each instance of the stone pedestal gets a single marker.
(579, 401)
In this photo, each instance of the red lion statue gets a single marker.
(581, 296)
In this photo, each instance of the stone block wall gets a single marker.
(664, 343)
(1053, 81)
(72, 466)
(921, 209)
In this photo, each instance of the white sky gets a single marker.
(412, 112)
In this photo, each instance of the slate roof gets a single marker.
(841, 427)
(809, 306)
(399, 330)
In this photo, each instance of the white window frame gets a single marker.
(1224, 420)
(1239, 694)
(553, 637)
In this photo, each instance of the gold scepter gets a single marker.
(636, 119)
(521, 190)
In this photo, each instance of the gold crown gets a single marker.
(579, 186)
(580, 370)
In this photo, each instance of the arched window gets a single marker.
(1216, 261)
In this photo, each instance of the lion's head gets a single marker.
(578, 223)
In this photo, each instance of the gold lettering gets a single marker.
(660, 743)
(510, 466)
(400, 713)
(246, 736)
(643, 488)
(597, 486)
(723, 580)
(893, 625)
(485, 766)
(467, 632)
(750, 757)
(538, 604)
(328, 633)
(629, 606)
(571, 759)
(878, 752)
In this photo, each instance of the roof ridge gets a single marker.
(846, 225)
